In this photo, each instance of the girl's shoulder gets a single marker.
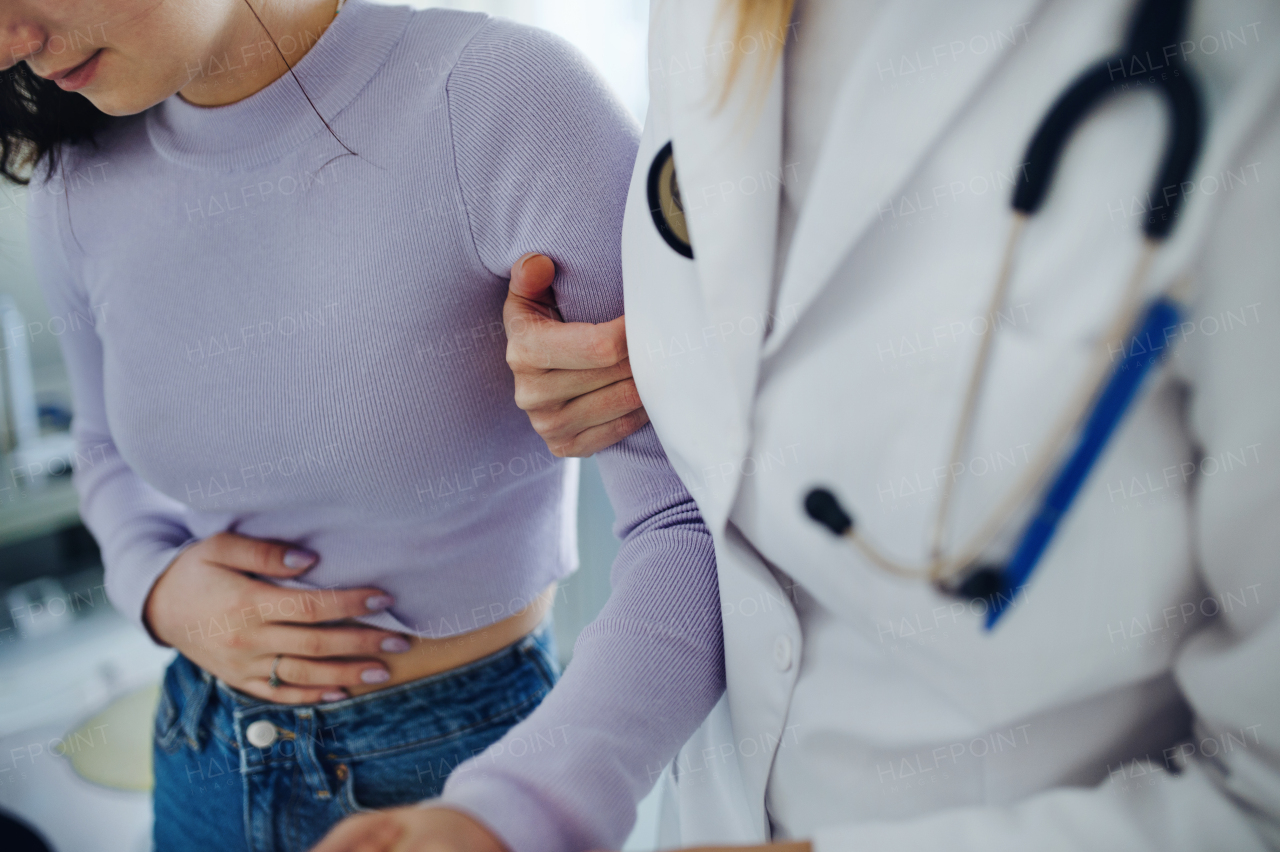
(448, 45)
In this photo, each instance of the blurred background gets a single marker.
(75, 677)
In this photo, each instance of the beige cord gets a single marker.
(1070, 420)
(977, 376)
(940, 570)
(874, 555)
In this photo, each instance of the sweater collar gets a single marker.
(274, 121)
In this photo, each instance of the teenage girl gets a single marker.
(297, 444)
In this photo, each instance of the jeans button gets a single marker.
(261, 733)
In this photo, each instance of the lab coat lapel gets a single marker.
(880, 131)
(728, 160)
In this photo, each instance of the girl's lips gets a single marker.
(81, 75)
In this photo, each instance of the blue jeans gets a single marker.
(216, 791)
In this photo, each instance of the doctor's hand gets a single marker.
(410, 829)
(573, 379)
(210, 607)
(438, 829)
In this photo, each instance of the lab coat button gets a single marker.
(261, 733)
(782, 653)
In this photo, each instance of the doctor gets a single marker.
(820, 292)
(810, 312)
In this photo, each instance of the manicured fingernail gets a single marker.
(395, 645)
(377, 603)
(375, 675)
(299, 558)
(333, 696)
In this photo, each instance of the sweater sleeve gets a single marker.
(544, 156)
(138, 529)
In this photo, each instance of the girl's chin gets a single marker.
(122, 103)
(116, 99)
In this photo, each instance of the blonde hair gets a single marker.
(761, 22)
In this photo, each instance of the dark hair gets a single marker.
(36, 117)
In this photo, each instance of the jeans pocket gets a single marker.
(418, 772)
(540, 653)
(387, 781)
(347, 793)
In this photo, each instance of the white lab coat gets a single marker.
(1131, 699)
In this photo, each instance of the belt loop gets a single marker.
(193, 712)
(305, 744)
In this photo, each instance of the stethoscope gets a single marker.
(1100, 402)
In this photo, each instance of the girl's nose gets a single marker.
(19, 40)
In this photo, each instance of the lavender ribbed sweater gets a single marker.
(267, 334)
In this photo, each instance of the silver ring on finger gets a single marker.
(274, 681)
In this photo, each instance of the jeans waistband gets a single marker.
(472, 684)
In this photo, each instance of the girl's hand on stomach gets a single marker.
(573, 379)
(210, 607)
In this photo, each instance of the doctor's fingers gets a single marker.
(411, 828)
(376, 832)
(555, 388)
(561, 424)
(597, 438)
(536, 343)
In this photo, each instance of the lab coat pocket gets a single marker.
(1109, 572)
